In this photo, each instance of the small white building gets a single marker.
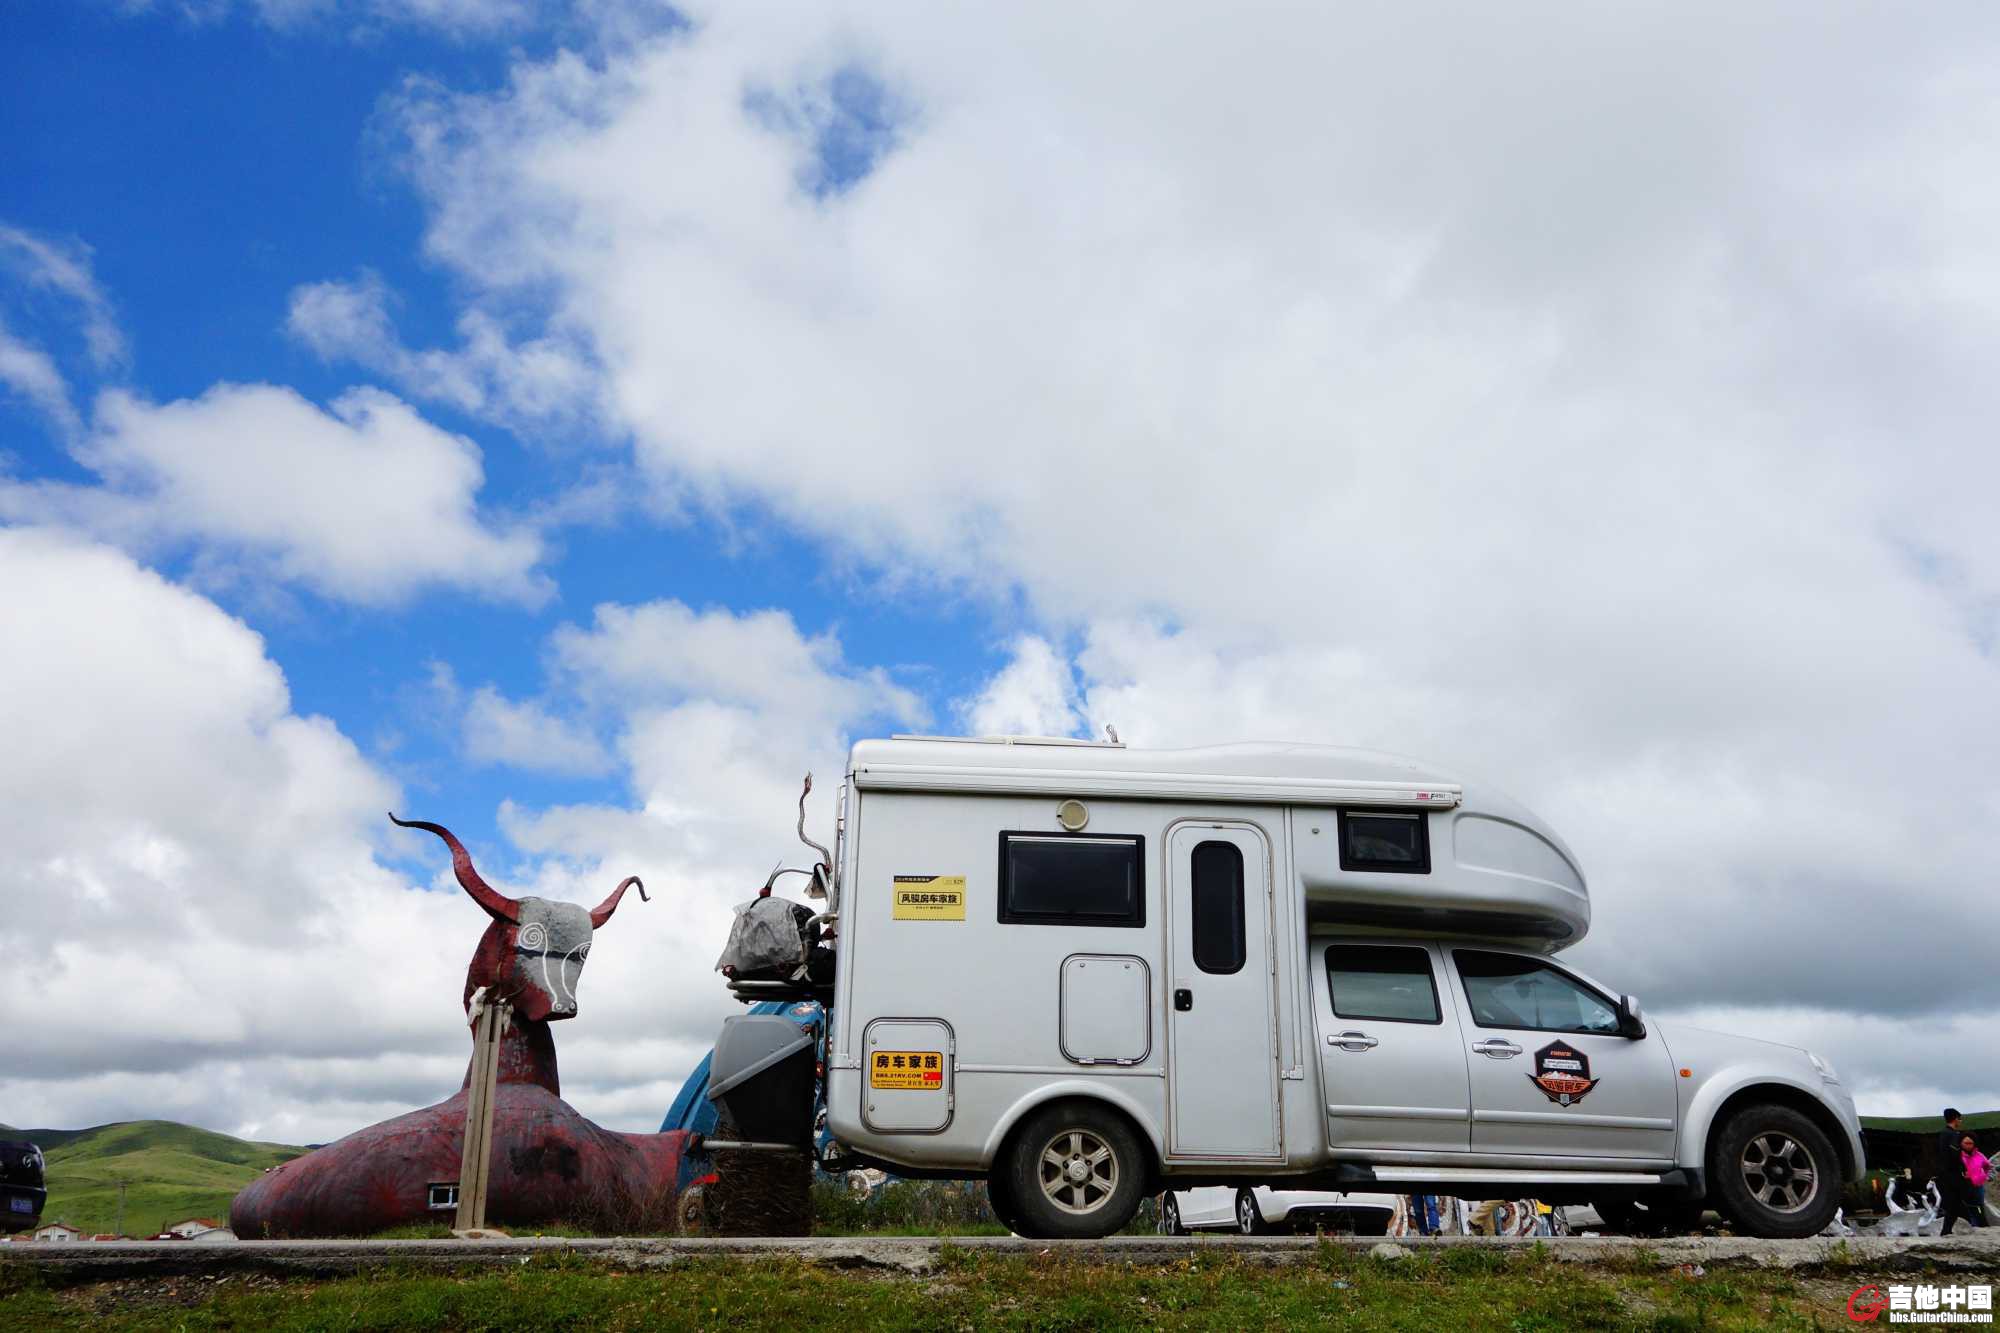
(57, 1231)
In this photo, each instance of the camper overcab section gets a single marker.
(1084, 971)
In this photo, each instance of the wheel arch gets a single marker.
(1114, 1099)
(1694, 1148)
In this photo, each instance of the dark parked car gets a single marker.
(21, 1185)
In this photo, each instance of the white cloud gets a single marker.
(32, 373)
(1588, 396)
(366, 501)
(499, 730)
(538, 382)
(65, 269)
(461, 18)
(1033, 695)
(197, 907)
(187, 865)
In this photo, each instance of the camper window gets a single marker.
(1216, 876)
(1392, 840)
(1509, 991)
(1078, 879)
(1389, 982)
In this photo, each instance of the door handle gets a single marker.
(1352, 1041)
(1183, 999)
(1496, 1049)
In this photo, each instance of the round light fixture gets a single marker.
(1072, 815)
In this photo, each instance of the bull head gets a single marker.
(533, 950)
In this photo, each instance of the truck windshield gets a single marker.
(1509, 991)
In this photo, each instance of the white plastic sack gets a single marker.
(764, 941)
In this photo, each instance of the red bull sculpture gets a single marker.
(549, 1163)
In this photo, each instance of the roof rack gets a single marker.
(1016, 740)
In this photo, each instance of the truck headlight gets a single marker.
(1826, 1070)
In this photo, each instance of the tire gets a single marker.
(1076, 1171)
(1002, 1200)
(1170, 1216)
(1774, 1172)
(1249, 1218)
(1642, 1215)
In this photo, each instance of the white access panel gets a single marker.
(1107, 1009)
(907, 1075)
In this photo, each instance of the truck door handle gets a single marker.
(1496, 1049)
(1352, 1041)
(1183, 999)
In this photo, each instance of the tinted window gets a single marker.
(1079, 880)
(1507, 991)
(1382, 981)
(1216, 873)
(1380, 840)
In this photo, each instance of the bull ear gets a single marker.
(497, 904)
(602, 912)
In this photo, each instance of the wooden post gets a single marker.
(489, 1021)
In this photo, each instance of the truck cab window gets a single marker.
(1390, 982)
(1216, 877)
(1078, 879)
(1509, 991)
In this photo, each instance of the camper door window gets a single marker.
(1076, 879)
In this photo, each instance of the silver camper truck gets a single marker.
(1085, 973)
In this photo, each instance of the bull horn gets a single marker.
(602, 912)
(496, 904)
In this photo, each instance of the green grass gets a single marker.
(1337, 1289)
(172, 1172)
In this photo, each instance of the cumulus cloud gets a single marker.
(194, 878)
(1033, 695)
(188, 865)
(1567, 393)
(363, 501)
(525, 735)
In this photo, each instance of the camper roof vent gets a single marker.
(1016, 740)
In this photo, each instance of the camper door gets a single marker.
(1223, 1061)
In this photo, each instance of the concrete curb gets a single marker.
(915, 1255)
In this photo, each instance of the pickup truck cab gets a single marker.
(1089, 973)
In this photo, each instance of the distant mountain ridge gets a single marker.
(171, 1172)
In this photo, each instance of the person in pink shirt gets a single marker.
(1973, 1163)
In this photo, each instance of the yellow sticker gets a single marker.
(930, 898)
(906, 1069)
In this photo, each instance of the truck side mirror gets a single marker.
(1630, 1024)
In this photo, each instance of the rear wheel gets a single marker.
(1249, 1218)
(1774, 1172)
(1077, 1171)
(1170, 1216)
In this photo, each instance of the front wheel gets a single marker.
(1774, 1172)
(1076, 1171)
(1170, 1216)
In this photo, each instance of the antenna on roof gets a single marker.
(1112, 732)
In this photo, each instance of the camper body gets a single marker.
(1086, 972)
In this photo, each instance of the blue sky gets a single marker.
(595, 415)
(212, 167)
